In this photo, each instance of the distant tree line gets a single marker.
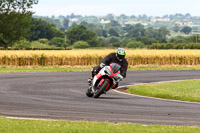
(45, 35)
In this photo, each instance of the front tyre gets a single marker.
(101, 89)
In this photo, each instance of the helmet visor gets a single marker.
(120, 56)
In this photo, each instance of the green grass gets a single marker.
(144, 68)
(8, 125)
(11, 70)
(188, 90)
(79, 68)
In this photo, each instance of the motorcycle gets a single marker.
(107, 78)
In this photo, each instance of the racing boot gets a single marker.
(90, 81)
(89, 92)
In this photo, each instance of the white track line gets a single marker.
(27, 118)
(162, 99)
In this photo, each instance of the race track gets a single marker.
(61, 95)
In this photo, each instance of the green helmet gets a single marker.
(120, 54)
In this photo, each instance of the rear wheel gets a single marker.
(101, 89)
(89, 92)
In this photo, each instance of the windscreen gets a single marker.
(115, 67)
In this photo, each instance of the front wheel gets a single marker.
(101, 89)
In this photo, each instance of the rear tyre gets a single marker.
(101, 89)
(89, 92)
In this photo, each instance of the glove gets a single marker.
(102, 65)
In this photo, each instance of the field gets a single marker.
(92, 57)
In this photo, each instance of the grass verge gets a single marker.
(8, 125)
(41, 69)
(188, 90)
(163, 67)
(5, 69)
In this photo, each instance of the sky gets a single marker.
(117, 7)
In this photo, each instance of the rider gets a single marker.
(118, 57)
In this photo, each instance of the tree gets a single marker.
(110, 17)
(66, 23)
(42, 29)
(14, 20)
(101, 41)
(132, 17)
(123, 16)
(44, 41)
(98, 31)
(140, 26)
(74, 24)
(146, 40)
(113, 32)
(117, 44)
(188, 15)
(163, 32)
(180, 39)
(151, 33)
(136, 32)
(8, 6)
(81, 33)
(112, 39)
(104, 33)
(128, 27)
(186, 30)
(39, 45)
(101, 32)
(81, 45)
(176, 28)
(114, 25)
(134, 44)
(21, 44)
(62, 29)
(59, 42)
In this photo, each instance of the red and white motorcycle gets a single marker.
(108, 77)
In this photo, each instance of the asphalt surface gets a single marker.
(61, 95)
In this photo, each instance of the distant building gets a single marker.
(183, 23)
(132, 22)
(160, 19)
(179, 23)
(74, 19)
(188, 23)
(104, 22)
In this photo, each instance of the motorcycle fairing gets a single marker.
(104, 75)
